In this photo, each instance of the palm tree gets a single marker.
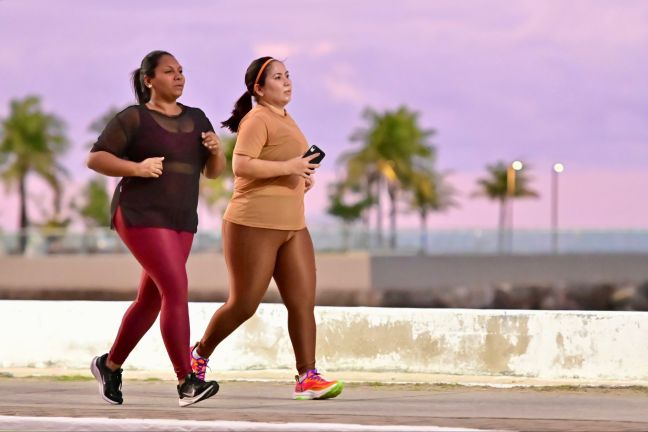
(95, 209)
(429, 191)
(31, 142)
(390, 143)
(365, 172)
(349, 213)
(495, 186)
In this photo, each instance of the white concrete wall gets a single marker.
(539, 344)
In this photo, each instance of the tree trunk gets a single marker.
(24, 219)
(345, 237)
(379, 223)
(501, 225)
(393, 192)
(424, 233)
(364, 217)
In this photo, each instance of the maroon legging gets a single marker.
(163, 254)
(253, 256)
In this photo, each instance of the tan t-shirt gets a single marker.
(278, 202)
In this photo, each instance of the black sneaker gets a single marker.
(110, 382)
(194, 390)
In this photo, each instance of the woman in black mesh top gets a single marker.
(159, 147)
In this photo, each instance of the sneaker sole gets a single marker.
(95, 371)
(328, 393)
(204, 395)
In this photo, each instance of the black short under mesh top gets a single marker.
(169, 201)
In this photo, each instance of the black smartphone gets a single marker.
(312, 150)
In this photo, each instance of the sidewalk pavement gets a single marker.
(361, 377)
(261, 400)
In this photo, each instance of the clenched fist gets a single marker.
(151, 167)
(211, 142)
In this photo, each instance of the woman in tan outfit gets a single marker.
(264, 229)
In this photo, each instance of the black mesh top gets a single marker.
(169, 201)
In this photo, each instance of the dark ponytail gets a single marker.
(147, 69)
(142, 94)
(244, 104)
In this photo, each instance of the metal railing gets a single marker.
(334, 239)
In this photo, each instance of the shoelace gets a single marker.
(193, 385)
(201, 366)
(315, 376)
(201, 361)
(114, 378)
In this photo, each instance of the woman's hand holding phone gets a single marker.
(315, 150)
(301, 166)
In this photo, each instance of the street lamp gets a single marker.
(511, 171)
(555, 172)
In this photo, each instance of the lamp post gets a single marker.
(510, 192)
(555, 172)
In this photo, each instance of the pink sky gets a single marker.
(540, 81)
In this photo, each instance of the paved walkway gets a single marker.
(32, 404)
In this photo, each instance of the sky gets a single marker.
(541, 81)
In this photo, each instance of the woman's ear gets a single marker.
(258, 90)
